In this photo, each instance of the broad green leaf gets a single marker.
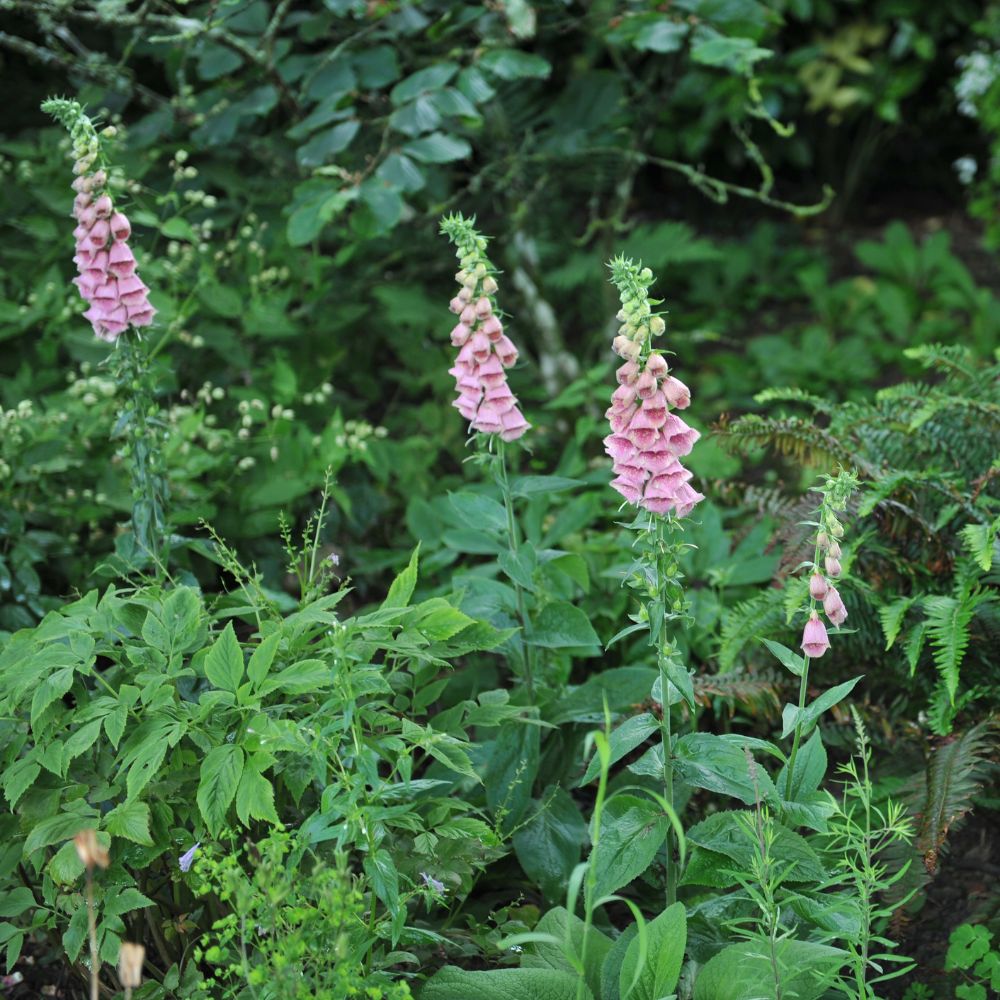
(620, 688)
(561, 625)
(720, 764)
(513, 64)
(55, 829)
(452, 983)
(327, 143)
(303, 677)
(131, 821)
(666, 938)
(438, 148)
(50, 690)
(745, 972)
(262, 658)
(792, 717)
(786, 657)
(631, 733)
(632, 831)
(381, 871)
(533, 486)
(224, 662)
(548, 845)
(401, 589)
(219, 779)
(512, 765)
(810, 769)
(80, 742)
(124, 901)
(255, 796)
(568, 929)
(424, 80)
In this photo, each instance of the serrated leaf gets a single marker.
(131, 821)
(220, 776)
(224, 662)
(255, 796)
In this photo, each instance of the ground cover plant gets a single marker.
(637, 638)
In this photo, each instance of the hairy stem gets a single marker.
(95, 958)
(513, 542)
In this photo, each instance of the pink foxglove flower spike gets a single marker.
(485, 351)
(107, 278)
(647, 439)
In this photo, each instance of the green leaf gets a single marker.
(128, 899)
(327, 143)
(732, 834)
(666, 938)
(131, 821)
(569, 931)
(432, 78)
(533, 486)
(744, 971)
(735, 54)
(255, 796)
(50, 690)
(55, 829)
(512, 766)
(381, 870)
(786, 657)
(80, 742)
(313, 209)
(18, 778)
(262, 658)
(792, 717)
(303, 677)
(966, 946)
(513, 64)
(14, 902)
(662, 35)
(452, 983)
(438, 148)
(401, 589)
(220, 777)
(632, 831)
(630, 734)
(548, 844)
(810, 769)
(224, 662)
(720, 764)
(561, 625)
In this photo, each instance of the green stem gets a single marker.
(803, 692)
(514, 541)
(146, 463)
(666, 734)
(588, 895)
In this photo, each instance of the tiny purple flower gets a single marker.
(185, 861)
(333, 559)
(433, 883)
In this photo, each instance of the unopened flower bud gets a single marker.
(834, 550)
(657, 325)
(490, 286)
(832, 567)
(484, 307)
(836, 529)
(626, 348)
(90, 851)
(834, 607)
(817, 587)
(823, 540)
(130, 959)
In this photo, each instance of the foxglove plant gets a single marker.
(824, 597)
(119, 308)
(646, 444)
(484, 398)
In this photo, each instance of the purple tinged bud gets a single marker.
(817, 587)
(832, 567)
(834, 607)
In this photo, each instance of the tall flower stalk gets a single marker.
(118, 308)
(646, 443)
(824, 597)
(484, 398)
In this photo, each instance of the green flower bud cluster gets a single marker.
(86, 142)
(639, 324)
(476, 270)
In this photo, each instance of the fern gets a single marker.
(980, 540)
(759, 615)
(955, 773)
(791, 436)
(891, 616)
(948, 620)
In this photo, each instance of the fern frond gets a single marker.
(757, 695)
(948, 620)
(794, 395)
(955, 773)
(891, 616)
(792, 436)
(759, 615)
